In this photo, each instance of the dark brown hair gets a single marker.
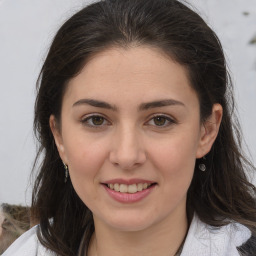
(219, 195)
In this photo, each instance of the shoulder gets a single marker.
(203, 239)
(28, 245)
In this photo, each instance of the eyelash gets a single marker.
(86, 121)
(166, 118)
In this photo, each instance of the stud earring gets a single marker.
(66, 172)
(202, 166)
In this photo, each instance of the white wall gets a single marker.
(26, 29)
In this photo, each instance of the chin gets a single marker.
(131, 223)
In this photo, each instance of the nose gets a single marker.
(127, 149)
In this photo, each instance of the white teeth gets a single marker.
(124, 188)
(140, 187)
(132, 188)
(116, 187)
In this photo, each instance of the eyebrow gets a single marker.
(95, 103)
(160, 103)
(143, 106)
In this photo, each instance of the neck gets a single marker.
(163, 238)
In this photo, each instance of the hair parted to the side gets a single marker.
(219, 195)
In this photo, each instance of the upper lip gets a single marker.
(128, 182)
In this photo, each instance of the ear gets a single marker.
(57, 137)
(209, 131)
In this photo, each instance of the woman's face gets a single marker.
(130, 121)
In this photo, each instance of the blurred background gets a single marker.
(26, 30)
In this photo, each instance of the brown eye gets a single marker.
(159, 120)
(97, 120)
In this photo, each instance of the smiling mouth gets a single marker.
(130, 189)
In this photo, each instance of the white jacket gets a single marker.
(202, 239)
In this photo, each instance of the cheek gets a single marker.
(175, 159)
(84, 150)
(84, 170)
(177, 172)
(85, 159)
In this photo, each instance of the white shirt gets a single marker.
(201, 239)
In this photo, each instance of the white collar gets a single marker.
(203, 239)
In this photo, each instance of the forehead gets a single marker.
(139, 73)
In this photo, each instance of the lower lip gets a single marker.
(127, 197)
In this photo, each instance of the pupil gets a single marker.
(159, 120)
(97, 120)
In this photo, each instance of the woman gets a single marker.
(140, 154)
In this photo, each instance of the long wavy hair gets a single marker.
(218, 196)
